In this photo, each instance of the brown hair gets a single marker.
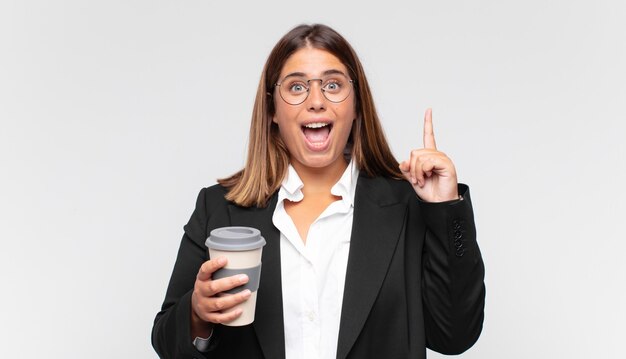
(268, 157)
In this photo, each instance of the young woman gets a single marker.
(365, 257)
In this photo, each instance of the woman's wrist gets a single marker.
(199, 327)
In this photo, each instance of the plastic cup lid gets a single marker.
(235, 239)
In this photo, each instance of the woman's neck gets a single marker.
(319, 180)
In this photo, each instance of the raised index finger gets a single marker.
(429, 134)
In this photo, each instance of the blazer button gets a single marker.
(456, 224)
(458, 244)
(458, 235)
(460, 252)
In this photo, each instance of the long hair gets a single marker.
(268, 157)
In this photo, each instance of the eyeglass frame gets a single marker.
(308, 91)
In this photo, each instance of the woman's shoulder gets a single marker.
(214, 192)
(392, 189)
(211, 197)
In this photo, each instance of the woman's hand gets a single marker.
(431, 172)
(206, 306)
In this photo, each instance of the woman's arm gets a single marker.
(171, 333)
(453, 287)
(191, 307)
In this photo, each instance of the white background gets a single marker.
(114, 114)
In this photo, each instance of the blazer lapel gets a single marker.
(268, 322)
(377, 225)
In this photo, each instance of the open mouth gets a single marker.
(317, 132)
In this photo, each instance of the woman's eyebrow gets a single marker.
(333, 72)
(295, 74)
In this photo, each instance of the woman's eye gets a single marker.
(297, 87)
(332, 86)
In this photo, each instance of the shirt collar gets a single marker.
(291, 187)
(346, 186)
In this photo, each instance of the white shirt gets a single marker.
(313, 275)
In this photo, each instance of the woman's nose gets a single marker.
(316, 100)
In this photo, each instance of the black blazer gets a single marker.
(414, 279)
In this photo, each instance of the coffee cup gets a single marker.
(242, 246)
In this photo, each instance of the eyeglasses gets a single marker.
(294, 90)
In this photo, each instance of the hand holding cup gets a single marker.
(206, 304)
(227, 286)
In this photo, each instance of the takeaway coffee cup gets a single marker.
(243, 247)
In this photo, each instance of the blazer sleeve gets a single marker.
(453, 286)
(171, 333)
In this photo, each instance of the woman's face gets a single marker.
(315, 131)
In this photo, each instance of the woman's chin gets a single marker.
(319, 161)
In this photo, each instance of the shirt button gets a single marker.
(311, 315)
